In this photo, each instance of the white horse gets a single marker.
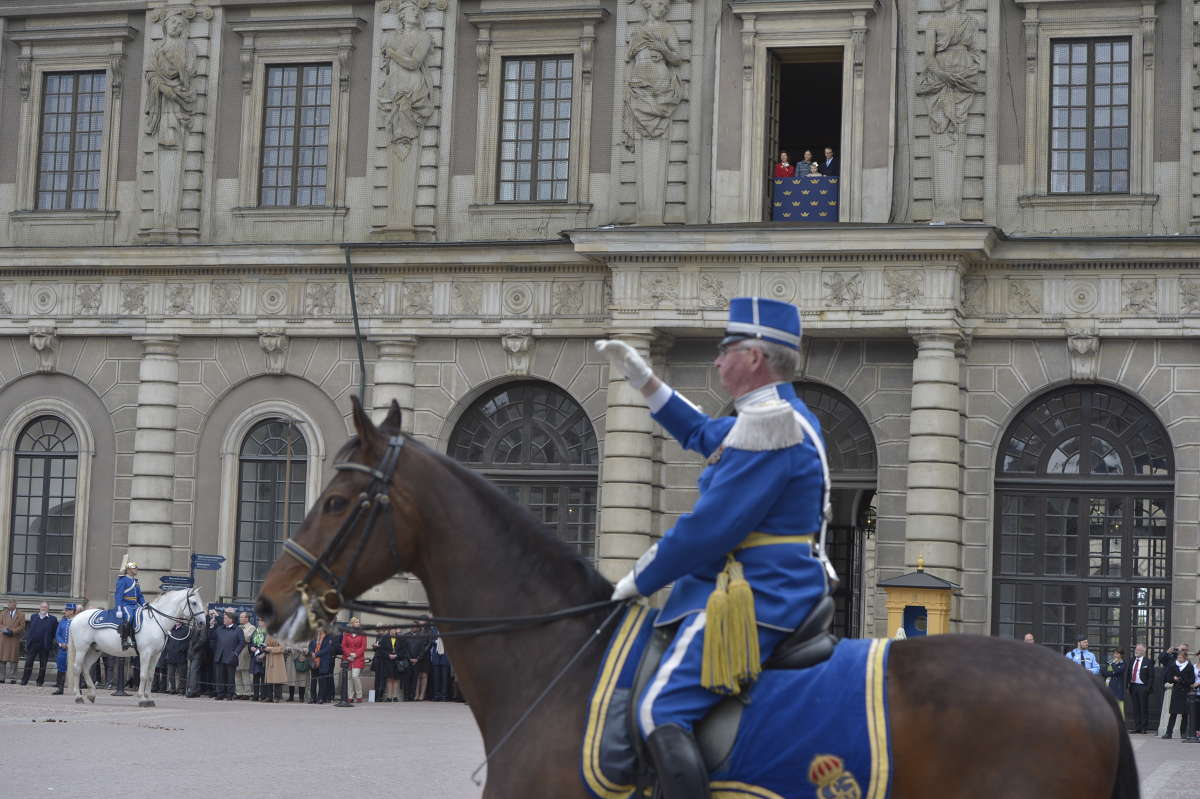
(86, 643)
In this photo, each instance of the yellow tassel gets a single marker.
(731, 654)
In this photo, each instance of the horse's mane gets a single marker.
(541, 554)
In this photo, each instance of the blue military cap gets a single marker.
(69, 606)
(769, 320)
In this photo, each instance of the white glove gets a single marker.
(626, 360)
(626, 589)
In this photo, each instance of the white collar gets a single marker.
(760, 394)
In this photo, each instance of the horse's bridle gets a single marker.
(155, 613)
(371, 503)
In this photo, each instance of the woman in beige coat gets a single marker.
(276, 670)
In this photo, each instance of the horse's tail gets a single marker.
(69, 685)
(1125, 783)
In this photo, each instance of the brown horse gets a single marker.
(970, 716)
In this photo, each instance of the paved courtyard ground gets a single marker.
(243, 750)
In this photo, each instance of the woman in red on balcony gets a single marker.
(785, 168)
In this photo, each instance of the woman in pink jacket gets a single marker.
(354, 648)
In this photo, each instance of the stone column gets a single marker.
(150, 511)
(627, 476)
(394, 378)
(933, 528)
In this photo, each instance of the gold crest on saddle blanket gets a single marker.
(828, 773)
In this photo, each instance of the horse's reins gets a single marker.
(155, 613)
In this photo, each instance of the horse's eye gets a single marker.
(335, 504)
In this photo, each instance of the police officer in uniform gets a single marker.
(127, 599)
(762, 497)
(61, 637)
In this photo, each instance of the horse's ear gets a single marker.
(392, 423)
(362, 423)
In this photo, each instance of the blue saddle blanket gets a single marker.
(108, 620)
(816, 733)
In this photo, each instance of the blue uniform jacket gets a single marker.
(777, 491)
(1085, 658)
(128, 595)
(61, 636)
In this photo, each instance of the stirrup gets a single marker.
(678, 764)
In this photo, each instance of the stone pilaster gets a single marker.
(933, 526)
(152, 494)
(394, 379)
(627, 476)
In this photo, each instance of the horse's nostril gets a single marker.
(264, 609)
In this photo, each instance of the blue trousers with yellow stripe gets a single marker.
(674, 695)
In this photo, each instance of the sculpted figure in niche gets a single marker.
(406, 96)
(951, 76)
(654, 89)
(170, 100)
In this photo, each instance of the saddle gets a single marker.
(107, 620)
(811, 643)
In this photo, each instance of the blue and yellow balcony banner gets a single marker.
(806, 199)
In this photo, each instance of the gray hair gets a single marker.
(783, 361)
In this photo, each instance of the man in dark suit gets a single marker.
(39, 643)
(829, 164)
(1140, 680)
(322, 651)
(228, 642)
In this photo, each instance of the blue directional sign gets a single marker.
(170, 582)
(207, 562)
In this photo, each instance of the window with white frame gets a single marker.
(70, 144)
(45, 479)
(295, 147)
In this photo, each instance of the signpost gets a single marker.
(207, 562)
(172, 582)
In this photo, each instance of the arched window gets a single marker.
(43, 516)
(1084, 482)
(537, 444)
(850, 448)
(272, 472)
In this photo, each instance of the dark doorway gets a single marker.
(810, 106)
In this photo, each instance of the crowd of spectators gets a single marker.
(229, 658)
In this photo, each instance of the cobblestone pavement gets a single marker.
(201, 748)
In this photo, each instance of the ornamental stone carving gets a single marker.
(369, 298)
(659, 290)
(466, 299)
(1082, 296)
(949, 81)
(1189, 295)
(1141, 296)
(274, 343)
(715, 290)
(518, 298)
(568, 297)
(226, 298)
(653, 89)
(516, 345)
(1023, 298)
(272, 299)
(88, 296)
(320, 298)
(5, 308)
(179, 299)
(1083, 347)
(904, 285)
(133, 298)
(974, 295)
(43, 299)
(418, 299)
(44, 341)
(843, 288)
(405, 100)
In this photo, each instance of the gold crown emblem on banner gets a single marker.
(828, 773)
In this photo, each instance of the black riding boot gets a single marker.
(59, 682)
(677, 761)
(126, 635)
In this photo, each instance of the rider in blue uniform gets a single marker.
(127, 599)
(61, 637)
(762, 497)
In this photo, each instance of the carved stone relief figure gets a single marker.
(406, 103)
(5, 308)
(1083, 346)
(467, 299)
(133, 299)
(179, 299)
(516, 345)
(170, 105)
(844, 288)
(274, 343)
(226, 298)
(1022, 299)
(88, 295)
(321, 297)
(1189, 293)
(418, 299)
(653, 90)
(903, 285)
(1141, 296)
(949, 82)
(44, 341)
(568, 298)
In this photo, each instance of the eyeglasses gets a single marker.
(727, 347)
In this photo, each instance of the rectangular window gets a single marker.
(69, 150)
(295, 156)
(535, 129)
(1089, 116)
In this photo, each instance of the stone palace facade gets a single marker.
(1000, 324)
